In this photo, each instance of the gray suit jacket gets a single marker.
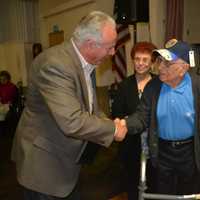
(56, 125)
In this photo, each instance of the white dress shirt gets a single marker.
(88, 69)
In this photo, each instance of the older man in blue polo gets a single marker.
(170, 109)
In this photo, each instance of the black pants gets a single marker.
(176, 170)
(130, 152)
(33, 195)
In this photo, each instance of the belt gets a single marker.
(176, 143)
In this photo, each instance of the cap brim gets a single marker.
(166, 54)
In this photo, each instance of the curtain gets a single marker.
(174, 19)
(19, 21)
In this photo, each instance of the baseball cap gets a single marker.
(175, 49)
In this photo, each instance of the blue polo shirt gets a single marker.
(175, 111)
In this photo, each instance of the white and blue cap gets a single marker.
(175, 49)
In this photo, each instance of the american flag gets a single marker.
(119, 66)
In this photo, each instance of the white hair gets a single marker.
(91, 25)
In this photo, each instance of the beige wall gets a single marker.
(2, 58)
(13, 60)
(64, 14)
(157, 21)
(46, 5)
(192, 21)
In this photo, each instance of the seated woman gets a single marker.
(8, 90)
(8, 96)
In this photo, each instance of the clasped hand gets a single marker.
(120, 129)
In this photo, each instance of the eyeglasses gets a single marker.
(107, 46)
(166, 63)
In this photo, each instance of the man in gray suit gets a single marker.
(61, 113)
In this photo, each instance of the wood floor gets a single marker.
(100, 181)
(121, 196)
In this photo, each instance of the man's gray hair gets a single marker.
(90, 26)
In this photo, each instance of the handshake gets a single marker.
(120, 129)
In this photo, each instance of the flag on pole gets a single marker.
(119, 64)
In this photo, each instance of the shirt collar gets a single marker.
(181, 86)
(85, 65)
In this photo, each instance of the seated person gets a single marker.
(8, 90)
(8, 96)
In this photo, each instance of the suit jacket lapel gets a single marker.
(80, 72)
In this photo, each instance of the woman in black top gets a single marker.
(125, 102)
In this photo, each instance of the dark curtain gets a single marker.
(174, 19)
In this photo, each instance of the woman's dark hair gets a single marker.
(6, 74)
(37, 49)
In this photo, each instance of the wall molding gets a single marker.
(66, 7)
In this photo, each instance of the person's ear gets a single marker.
(186, 66)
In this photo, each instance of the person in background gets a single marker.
(127, 98)
(169, 108)
(8, 90)
(61, 114)
(8, 98)
(36, 49)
